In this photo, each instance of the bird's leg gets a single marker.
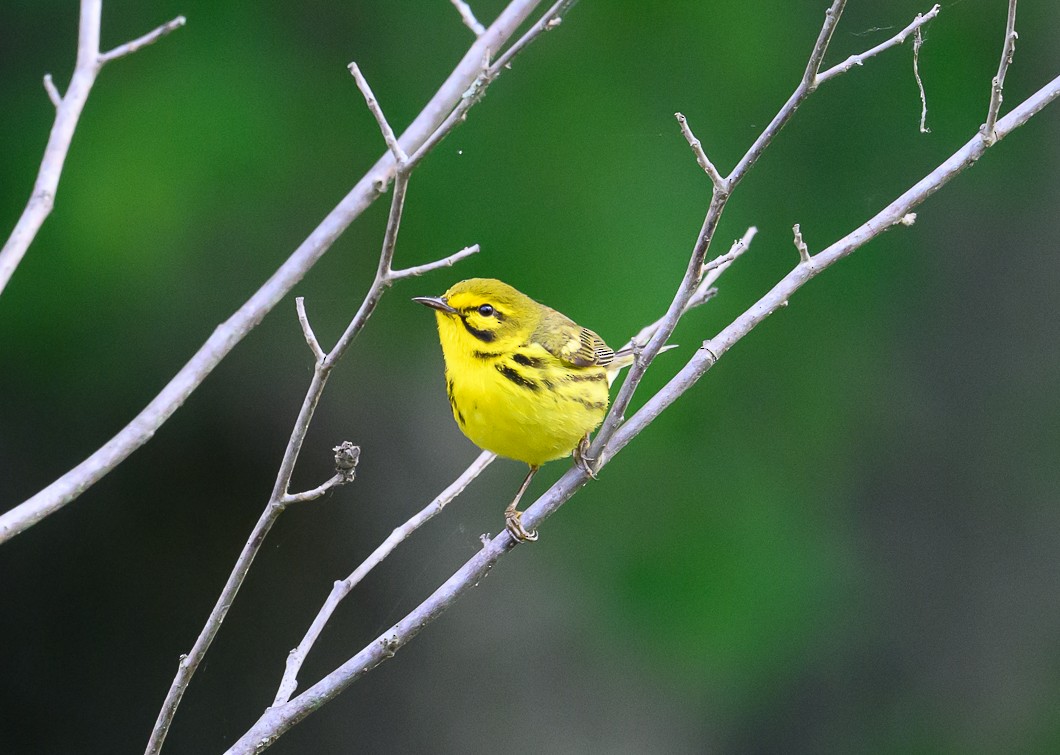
(582, 461)
(513, 518)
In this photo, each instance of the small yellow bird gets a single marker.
(524, 381)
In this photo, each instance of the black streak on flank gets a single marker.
(526, 361)
(486, 336)
(516, 378)
(487, 356)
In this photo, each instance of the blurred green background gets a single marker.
(844, 538)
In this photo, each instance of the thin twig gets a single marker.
(431, 124)
(307, 329)
(705, 290)
(701, 156)
(449, 261)
(800, 245)
(918, 42)
(68, 110)
(487, 73)
(468, 17)
(280, 495)
(897, 39)
(687, 288)
(311, 495)
(278, 719)
(53, 92)
(342, 588)
(150, 38)
(373, 106)
(997, 86)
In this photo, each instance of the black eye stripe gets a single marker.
(486, 336)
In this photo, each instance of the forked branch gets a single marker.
(68, 109)
(445, 110)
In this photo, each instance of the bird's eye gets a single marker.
(486, 310)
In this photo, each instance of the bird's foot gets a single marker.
(581, 460)
(513, 522)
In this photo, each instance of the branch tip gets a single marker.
(377, 112)
(804, 252)
(720, 184)
(140, 42)
(307, 329)
(53, 91)
(468, 17)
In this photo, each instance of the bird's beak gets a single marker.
(435, 302)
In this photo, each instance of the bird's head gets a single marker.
(483, 314)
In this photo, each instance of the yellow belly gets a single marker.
(532, 425)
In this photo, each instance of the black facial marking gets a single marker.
(516, 378)
(486, 336)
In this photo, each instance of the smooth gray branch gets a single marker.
(720, 184)
(68, 109)
(150, 38)
(342, 588)
(449, 261)
(689, 282)
(373, 106)
(307, 330)
(427, 126)
(468, 17)
(997, 86)
(897, 39)
(705, 290)
(400, 169)
(279, 719)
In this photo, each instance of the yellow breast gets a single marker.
(525, 405)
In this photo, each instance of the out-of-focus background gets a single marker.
(845, 538)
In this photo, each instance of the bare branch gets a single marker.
(53, 92)
(918, 41)
(998, 84)
(319, 490)
(897, 39)
(468, 17)
(307, 329)
(804, 253)
(373, 105)
(691, 279)
(704, 291)
(449, 261)
(342, 588)
(831, 20)
(716, 178)
(67, 113)
(280, 496)
(280, 718)
(147, 39)
(224, 338)
(549, 20)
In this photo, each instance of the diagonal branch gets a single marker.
(998, 84)
(468, 17)
(897, 39)
(279, 719)
(342, 588)
(68, 109)
(432, 124)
